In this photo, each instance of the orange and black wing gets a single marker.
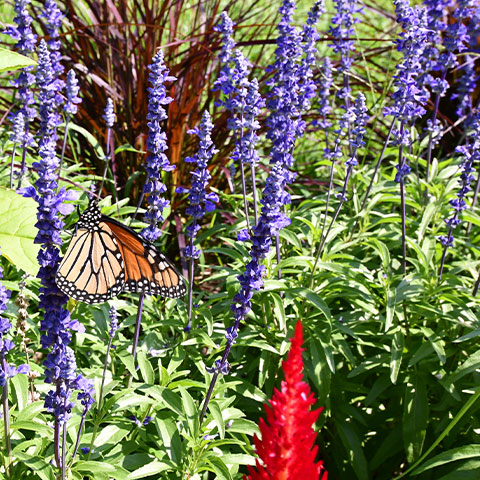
(146, 269)
(92, 269)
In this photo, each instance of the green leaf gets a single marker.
(217, 415)
(131, 400)
(18, 216)
(354, 449)
(38, 465)
(169, 436)
(152, 468)
(221, 470)
(176, 360)
(146, 368)
(37, 427)
(453, 455)
(312, 297)
(97, 147)
(114, 471)
(20, 390)
(112, 434)
(396, 356)
(415, 417)
(169, 398)
(127, 359)
(190, 411)
(10, 61)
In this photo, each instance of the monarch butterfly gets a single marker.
(106, 257)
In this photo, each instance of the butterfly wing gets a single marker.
(146, 269)
(92, 269)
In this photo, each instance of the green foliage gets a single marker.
(394, 359)
(11, 61)
(17, 230)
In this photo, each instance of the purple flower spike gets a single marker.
(18, 129)
(465, 87)
(271, 220)
(56, 323)
(25, 45)
(113, 322)
(156, 145)
(200, 202)
(343, 35)
(225, 28)
(409, 97)
(283, 99)
(26, 39)
(310, 37)
(54, 19)
(109, 114)
(243, 101)
(470, 157)
(71, 91)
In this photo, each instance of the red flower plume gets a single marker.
(286, 448)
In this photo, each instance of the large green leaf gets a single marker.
(17, 230)
(10, 61)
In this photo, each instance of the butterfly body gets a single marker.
(106, 257)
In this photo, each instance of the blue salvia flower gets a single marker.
(109, 114)
(455, 40)
(323, 95)
(17, 137)
(245, 148)
(466, 87)
(358, 122)
(243, 101)
(71, 90)
(437, 11)
(343, 33)
(310, 36)
(467, 13)
(56, 323)
(283, 97)
(86, 394)
(409, 98)
(113, 322)
(53, 21)
(18, 129)
(25, 45)
(200, 202)
(156, 145)
(470, 157)
(224, 81)
(23, 33)
(6, 370)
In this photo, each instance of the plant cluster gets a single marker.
(350, 225)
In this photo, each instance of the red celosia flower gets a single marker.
(286, 448)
